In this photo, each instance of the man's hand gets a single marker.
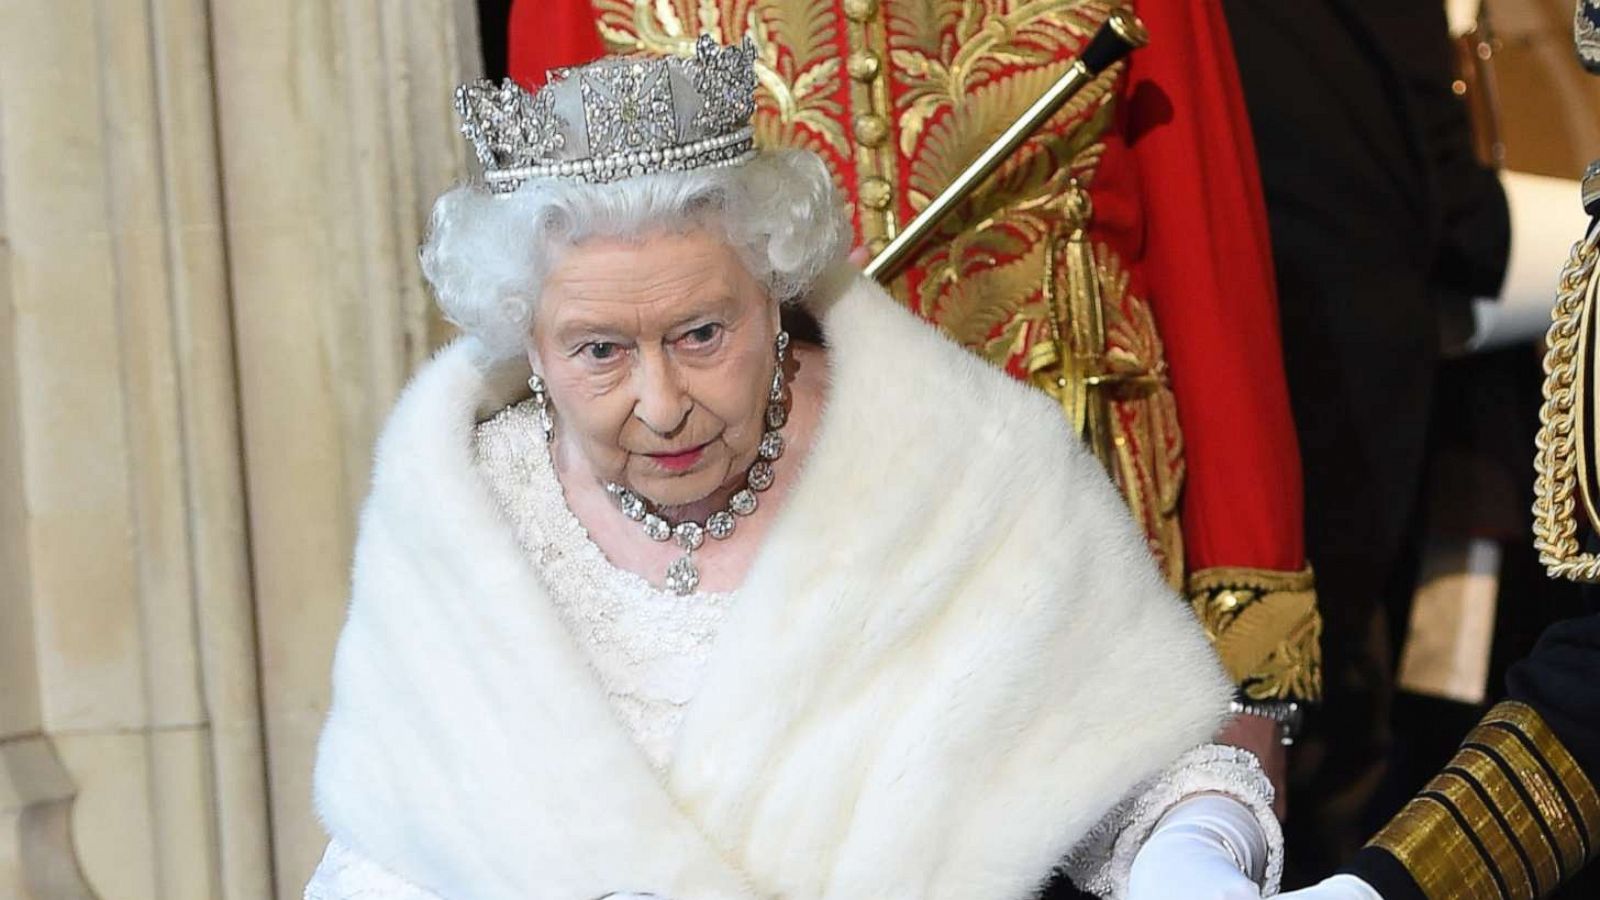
(1264, 738)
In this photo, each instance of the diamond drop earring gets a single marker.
(541, 402)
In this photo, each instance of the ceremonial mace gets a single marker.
(1121, 34)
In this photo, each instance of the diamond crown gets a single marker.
(617, 117)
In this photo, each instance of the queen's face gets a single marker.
(658, 357)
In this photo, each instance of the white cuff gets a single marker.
(1103, 861)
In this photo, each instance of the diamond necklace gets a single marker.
(682, 575)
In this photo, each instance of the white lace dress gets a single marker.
(649, 649)
(647, 646)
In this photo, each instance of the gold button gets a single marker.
(871, 129)
(876, 193)
(860, 10)
(864, 65)
(1227, 600)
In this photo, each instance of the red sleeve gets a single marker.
(1208, 265)
(548, 34)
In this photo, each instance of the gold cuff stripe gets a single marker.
(1521, 836)
(1526, 774)
(1429, 839)
(1562, 778)
(1578, 845)
(1496, 837)
(1511, 816)
(1563, 772)
(1463, 855)
(1533, 799)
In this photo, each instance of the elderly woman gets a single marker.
(652, 599)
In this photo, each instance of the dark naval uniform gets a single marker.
(1515, 813)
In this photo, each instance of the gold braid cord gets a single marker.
(1265, 627)
(1563, 458)
(1512, 816)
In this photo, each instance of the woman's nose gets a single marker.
(662, 403)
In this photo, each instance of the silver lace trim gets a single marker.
(1103, 861)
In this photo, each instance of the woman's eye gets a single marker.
(705, 334)
(600, 351)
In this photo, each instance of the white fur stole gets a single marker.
(952, 657)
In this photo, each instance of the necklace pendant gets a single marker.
(682, 576)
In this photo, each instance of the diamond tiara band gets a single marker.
(617, 117)
(718, 152)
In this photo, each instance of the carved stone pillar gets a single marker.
(336, 132)
(130, 753)
(208, 299)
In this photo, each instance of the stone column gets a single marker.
(131, 689)
(336, 132)
(208, 299)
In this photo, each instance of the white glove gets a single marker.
(1208, 847)
(1339, 887)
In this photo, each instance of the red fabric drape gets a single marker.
(548, 34)
(1209, 269)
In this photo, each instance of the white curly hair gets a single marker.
(487, 254)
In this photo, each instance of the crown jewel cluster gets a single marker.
(615, 118)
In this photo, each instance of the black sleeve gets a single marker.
(1561, 681)
(1387, 876)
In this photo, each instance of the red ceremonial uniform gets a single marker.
(1119, 260)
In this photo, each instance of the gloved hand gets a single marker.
(1208, 847)
(1339, 887)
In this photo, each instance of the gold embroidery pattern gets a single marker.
(1137, 432)
(1144, 426)
(898, 96)
(801, 101)
(1012, 277)
(1265, 627)
(1511, 816)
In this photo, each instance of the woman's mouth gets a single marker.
(678, 460)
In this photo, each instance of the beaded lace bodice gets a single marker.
(647, 646)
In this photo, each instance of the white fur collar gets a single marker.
(952, 657)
